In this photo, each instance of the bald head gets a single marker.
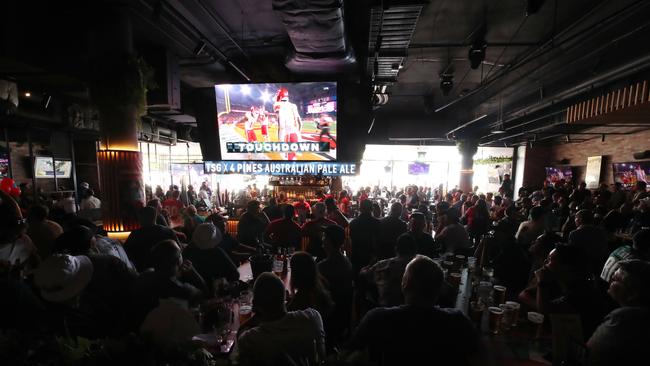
(421, 281)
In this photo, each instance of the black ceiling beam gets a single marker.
(467, 44)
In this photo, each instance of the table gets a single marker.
(511, 348)
(212, 339)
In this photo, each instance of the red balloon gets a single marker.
(6, 183)
(15, 191)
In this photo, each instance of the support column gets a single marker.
(467, 149)
(118, 91)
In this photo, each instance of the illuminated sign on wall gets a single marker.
(279, 168)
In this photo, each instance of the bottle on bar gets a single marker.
(278, 263)
(285, 261)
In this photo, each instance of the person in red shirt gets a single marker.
(284, 232)
(314, 230)
(344, 203)
(302, 209)
(173, 205)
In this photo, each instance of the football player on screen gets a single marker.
(249, 120)
(264, 120)
(289, 121)
(323, 123)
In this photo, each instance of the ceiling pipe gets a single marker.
(179, 17)
(223, 30)
(622, 73)
(614, 74)
(547, 46)
(466, 124)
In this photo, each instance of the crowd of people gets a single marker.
(366, 288)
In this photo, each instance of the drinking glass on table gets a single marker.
(515, 316)
(508, 313)
(495, 315)
(245, 306)
(476, 309)
(499, 294)
(537, 320)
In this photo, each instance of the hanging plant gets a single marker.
(467, 145)
(493, 160)
(122, 82)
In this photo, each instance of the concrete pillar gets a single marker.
(117, 90)
(467, 149)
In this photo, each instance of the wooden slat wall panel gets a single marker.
(629, 96)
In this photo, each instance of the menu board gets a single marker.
(592, 175)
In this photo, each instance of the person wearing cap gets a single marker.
(251, 226)
(237, 252)
(275, 336)
(16, 248)
(640, 249)
(61, 280)
(209, 260)
(105, 297)
(105, 245)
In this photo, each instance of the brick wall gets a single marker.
(615, 149)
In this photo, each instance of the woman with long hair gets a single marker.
(306, 286)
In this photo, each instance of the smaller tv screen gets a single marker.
(556, 174)
(629, 173)
(418, 169)
(44, 167)
(4, 165)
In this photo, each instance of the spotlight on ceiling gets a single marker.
(477, 53)
(533, 6)
(446, 83)
(498, 131)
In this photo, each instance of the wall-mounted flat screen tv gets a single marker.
(279, 121)
(557, 173)
(629, 173)
(44, 167)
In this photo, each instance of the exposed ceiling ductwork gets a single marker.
(317, 32)
(391, 30)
